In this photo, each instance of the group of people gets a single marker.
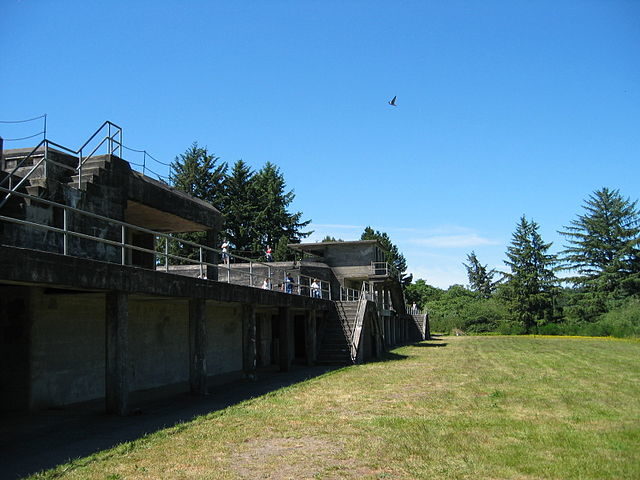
(288, 286)
(268, 253)
(315, 287)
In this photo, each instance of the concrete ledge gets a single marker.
(33, 267)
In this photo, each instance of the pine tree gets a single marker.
(240, 209)
(197, 173)
(480, 279)
(604, 245)
(531, 283)
(273, 220)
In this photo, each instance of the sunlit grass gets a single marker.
(472, 407)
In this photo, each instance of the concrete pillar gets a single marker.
(310, 336)
(284, 327)
(249, 352)
(198, 346)
(117, 357)
(212, 257)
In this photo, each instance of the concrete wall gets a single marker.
(53, 345)
(224, 336)
(67, 347)
(158, 342)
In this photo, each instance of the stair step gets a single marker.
(35, 190)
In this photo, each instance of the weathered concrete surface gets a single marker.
(198, 346)
(25, 266)
(117, 336)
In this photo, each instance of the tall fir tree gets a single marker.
(480, 278)
(531, 283)
(603, 245)
(240, 209)
(273, 219)
(198, 173)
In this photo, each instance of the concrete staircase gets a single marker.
(335, 347)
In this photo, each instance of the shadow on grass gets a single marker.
(430, 343)
(388, 357)
(40, 441)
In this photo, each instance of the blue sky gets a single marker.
(504, 108)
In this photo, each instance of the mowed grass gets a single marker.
(452, 408)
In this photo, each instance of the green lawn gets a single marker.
(455, 407)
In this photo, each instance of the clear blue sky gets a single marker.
(504, 107)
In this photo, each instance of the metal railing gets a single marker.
(244, 272)
(113, 137)
(349, 294)
(383, 269)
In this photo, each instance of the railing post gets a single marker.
(201, 273)
(250, 274)
(46, 156)
(166, 254)
(64, 227)
(80, 169)
(123, 241)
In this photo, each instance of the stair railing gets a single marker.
(113, 136)
(358, 322)
(110, 139)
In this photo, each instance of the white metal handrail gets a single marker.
(301, 287)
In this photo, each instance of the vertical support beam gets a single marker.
(117, 355)
(198, 346)
(284, 327)
(249, 340)
(212, 257)
(310, 336)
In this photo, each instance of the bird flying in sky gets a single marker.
(393, 101)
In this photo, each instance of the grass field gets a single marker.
(452, 408)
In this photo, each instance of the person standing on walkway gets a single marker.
(315, 288)
(225, 252)
(288, 284)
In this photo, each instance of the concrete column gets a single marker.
(249, 353)
(117, 357)
(284, 326)
(198, 346)
(212, 257)
(310, 336)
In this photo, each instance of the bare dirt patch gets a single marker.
(293, 458)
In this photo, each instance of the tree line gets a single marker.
(592, 286)
(255, 204)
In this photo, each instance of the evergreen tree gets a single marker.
(392, 255)
(604, 245)
(329, 238)
(282, 252)
(273, 220)
(531, 282)
(240, 209)
(197, 173)
(480, 279)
